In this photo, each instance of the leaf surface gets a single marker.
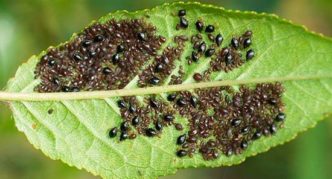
(77, 130)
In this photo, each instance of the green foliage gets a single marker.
(76, 132)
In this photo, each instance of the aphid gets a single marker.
(273, 129)
(257, 135)
(142, 36)
(199, 25)
(51, 62)
(194, 56)
(229, 152)
(50, 111)
(280, 117)
(56, 81)
(219, 39)
(209, 29)
(250, 54)
(150, 132)
(209, 52)
(235, 122)
(99, 38)
(120, 48)
(159, 67)
(154, 80)
(246, 42)
(66, 89)
(181, 153)
(124, 135)
(202, 47)
(183, 22)
(77, 56)
(248, 33)
(159, 126)
(229, 59)
(132, 108)
(116, 58)
(245, 130)
(122, 104)
(135, 121)
(86, 43)
(244, 144)
(107, 71)
(113, 132)
(198, 77)
(168, 118)
(178, 127)
(193, 101)
(124, 126)
(235, 43)
(181, 102)
(154, 103)
(181, 139)
(182, 12)
(171, 97)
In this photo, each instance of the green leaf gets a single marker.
(77, 130)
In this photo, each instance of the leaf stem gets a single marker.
(17, 96)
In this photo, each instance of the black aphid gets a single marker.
(120, 48)
(168, 118)
(199, 25)
(235, 122)
(181, 139)
(86, 43)
(181, 153)
(154, 103)
(142, 36)
(99, 38)
(245, 130)
(244, 145)
(257, 135)
(66, 89)
(280, 117)
(235, 43)
(194, 56)
(183, 22)
(51, 62)
(209, 52)
(171, 97)
(113, 132)
(150, 132)
(250, 54)
(116, 58)
(107, 70)
(219, 39)
(77, 56)
(229, 58)
(124, 135)
(135, 121)
(209, 29)
(154, 80)
(181, 102)
(56, 81)
(122, 104)
(246, 42)
(159, 125)
(273, 129)
(193, 101)
(182, 12)
(159, 67)
(124, 126)
(132, 108)
(202, 47)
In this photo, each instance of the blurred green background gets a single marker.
(29, 26)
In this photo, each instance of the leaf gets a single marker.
(76, 131)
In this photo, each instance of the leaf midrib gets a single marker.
(14, 96)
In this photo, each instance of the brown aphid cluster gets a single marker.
(222, 121)
(163, 65)
(102, 57)
(230, 57)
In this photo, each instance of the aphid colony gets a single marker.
(221, 120)
(102, 57)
